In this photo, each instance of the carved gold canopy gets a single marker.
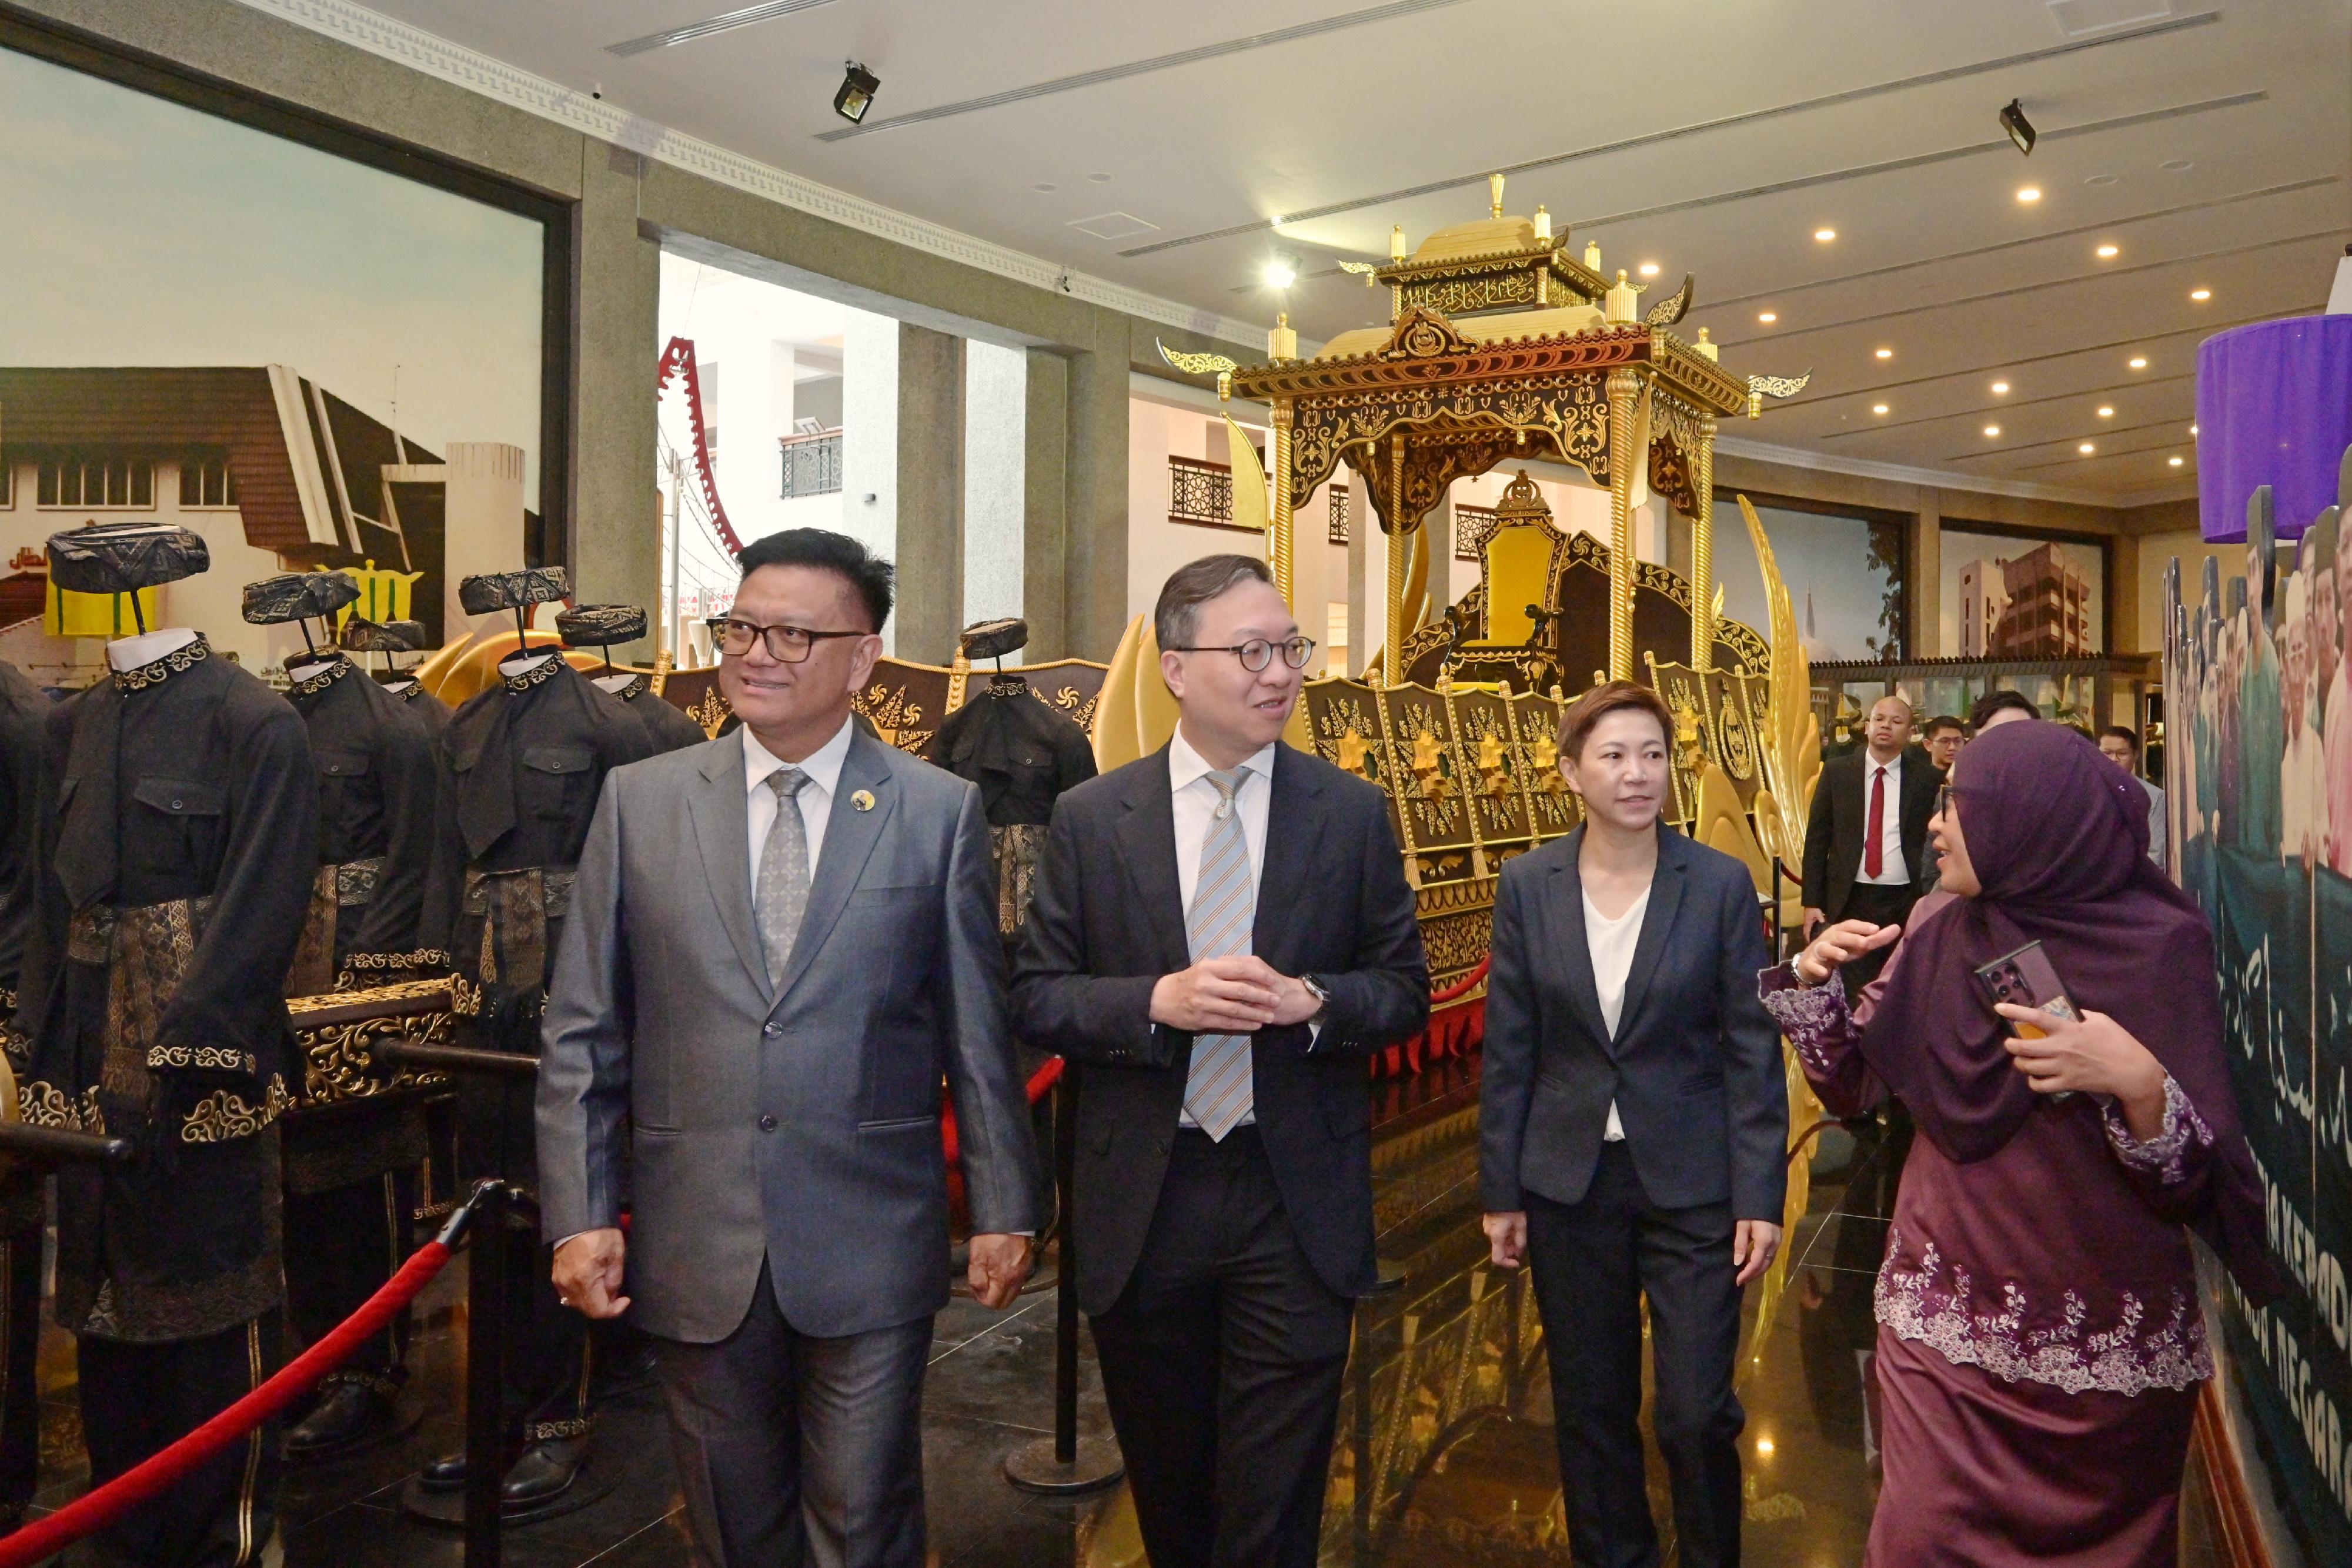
(1427, 400)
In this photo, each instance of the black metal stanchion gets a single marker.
(1064, 1463)
(486, 1372)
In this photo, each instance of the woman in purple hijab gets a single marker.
(2040, 1341)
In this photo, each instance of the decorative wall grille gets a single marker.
(1472, 527)
(1338, 534)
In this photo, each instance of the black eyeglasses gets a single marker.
(1257, 653)
(1945, 796)
(786, 644)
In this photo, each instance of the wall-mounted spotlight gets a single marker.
(859, 86)
(2020, 129)
(1280, 271)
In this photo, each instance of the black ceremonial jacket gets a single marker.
(665, 723)
(1020, 752)
(376, 786)
(429, 709)
(22, 707)
(178, 844)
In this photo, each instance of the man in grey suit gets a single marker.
(781, 942)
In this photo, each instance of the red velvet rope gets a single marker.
(96, 1509)
(1460, 987)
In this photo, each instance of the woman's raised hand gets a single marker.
(1842, 944)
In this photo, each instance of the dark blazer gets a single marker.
(1694, 1065)
(1834, 833)
(1109, 920)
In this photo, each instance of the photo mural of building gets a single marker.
(2032, 606)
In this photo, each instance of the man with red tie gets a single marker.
(1866, 841)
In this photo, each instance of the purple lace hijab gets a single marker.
(2058, 838)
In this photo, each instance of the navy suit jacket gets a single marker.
(1694, 1065)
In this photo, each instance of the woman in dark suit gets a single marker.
(1634, 1130)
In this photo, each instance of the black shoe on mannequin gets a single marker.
(545, 1471)
(350, 1411)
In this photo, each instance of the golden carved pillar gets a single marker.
(1703, 547)
(1624, 387)
(1392, 637)
(1282, 545)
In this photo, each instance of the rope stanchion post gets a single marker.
(1064, 1464)
(485, 1341)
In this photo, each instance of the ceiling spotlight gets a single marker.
(1767, 317)
(2139, 361)
(859, 86)
(1878, 408)
(2201, 294)
(1649, 269)
(2020, 129)
(2107, 411)
(1280, 271)
(1885, 353)
(2109, 252)
(2192, 430)
(2000, 389)
(2029, 194)
(1825, 236)
(2173, 462)
(1992, 430)
(2086, 449)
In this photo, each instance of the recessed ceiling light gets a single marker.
(1767, 317)
(2086, 449)
(1885, 353)
(1280, 271)
(1999, 388)
(1992, 430)
(1098, 179)
(2109, 252)
(1044, 187)
(2201, 294)
(2174, 462)
(2029, 193)
(1649, 269)
(1764, 1447)
(2107, 411)
(2176, 165)
(1825, 236)
(2192, 430)
(1878, 408)
(2139, 361)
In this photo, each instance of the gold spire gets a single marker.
(1494, 195)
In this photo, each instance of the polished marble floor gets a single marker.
(1445, 1459)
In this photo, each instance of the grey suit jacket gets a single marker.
(793, 1117)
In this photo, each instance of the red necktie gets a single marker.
(1873, 858)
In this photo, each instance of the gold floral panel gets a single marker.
(1343, 718)
(1535, 728)
(1428, 789)
(1492, 768)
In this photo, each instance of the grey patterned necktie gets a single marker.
(1218, 1090)
(782, 894)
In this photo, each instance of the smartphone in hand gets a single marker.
(2026, 979)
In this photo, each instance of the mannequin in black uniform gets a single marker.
(350, 1183)
(522, 764)
(22, 708)
(602, 626)
(179, 838)
(361, 635)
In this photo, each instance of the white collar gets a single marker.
(146, 647)
(823, 766)
(1186, 766)
(1869, 762)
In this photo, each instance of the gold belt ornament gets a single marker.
(514, 908)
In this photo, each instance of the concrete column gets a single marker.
(614, 549)
(1093, 574)
(995, 483)
(1045, 523)
(482, 506)
(1926, 585)
(869, 438)
(930, 546)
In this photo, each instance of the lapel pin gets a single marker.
(863, 800)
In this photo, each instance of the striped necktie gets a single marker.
(1218, 1090)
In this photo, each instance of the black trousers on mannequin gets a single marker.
(20, 1340)
(1594, 1261)
(138, 1399)
(1221, 1363)
(342, 1245)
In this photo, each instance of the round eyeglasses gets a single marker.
(786, 644)
(1257, 653)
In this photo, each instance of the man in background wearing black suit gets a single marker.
(1221, 931)
(1866, 841)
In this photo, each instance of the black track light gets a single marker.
(2020, 129)
(859, 85)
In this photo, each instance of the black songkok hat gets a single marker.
(361, 635)
(495, 590)
(297, 595)
(123, 557)
(599, 625)
(994, 639)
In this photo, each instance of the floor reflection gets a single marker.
(1445, 1454)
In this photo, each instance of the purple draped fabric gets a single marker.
(2273, 407)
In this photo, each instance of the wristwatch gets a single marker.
(1322, 995)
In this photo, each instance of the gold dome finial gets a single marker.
(1592, 255)
(1494, 195)
(1705, 346)
(1396, 243)
(1521, 502)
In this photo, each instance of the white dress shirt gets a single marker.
(823, 766)
(1610, 944)
(1193, 804)
(1892, 870)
